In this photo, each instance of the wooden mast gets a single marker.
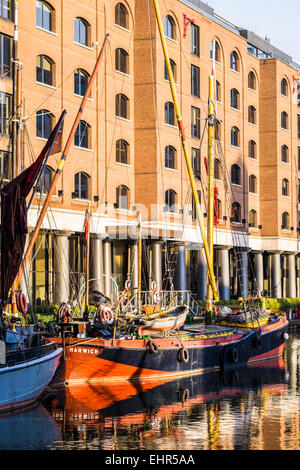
(139, 262)
(62, 160)
(186, 155)
(87, 234)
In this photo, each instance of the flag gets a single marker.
(14, 214)
(85, 228)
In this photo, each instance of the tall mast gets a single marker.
(87, 259)
(62, 160)
(211, 176)
(139, 262)
(186, 155)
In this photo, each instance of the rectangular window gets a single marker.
(5, 56)
(5, 167)
(195, 123)
(195, 40)
(298, 126)
(5, 111)
(196, 163)
(298, 158)
(6, 9)
(195, 81)
(194, 212)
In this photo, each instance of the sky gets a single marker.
(277, 19)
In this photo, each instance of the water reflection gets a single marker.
(245, 408)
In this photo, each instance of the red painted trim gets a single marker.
(277, 352)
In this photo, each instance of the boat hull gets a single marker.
(97, 360)
(23, 382)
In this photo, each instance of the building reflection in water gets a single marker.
(248, 408)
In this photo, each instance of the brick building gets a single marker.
(127, 156)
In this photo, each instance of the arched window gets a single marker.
(284, 154)
(174, 70)
(122, 197)
(284, 120)
(169, 27)
(285, 187)
(6, 10)
(218, 169)
(122, 151)
(236, 212)
(252, 151)
(121, 16)
(81, 31)
(169, 113)
(252, 184)
(122, 61)
(170, 157)
(253, 219)
(45, 181)
(122, 106)
(251, 115)
(234, 62)
(234, 99)
(44, 16)
(217, 51)
(251, 81)
(284, 87)
(81, 80)
(82, 135)
(235, 137)
(235, 175)
(44, 70)
(81, 185)
(44, 123)
(170, 200)
(285, 221)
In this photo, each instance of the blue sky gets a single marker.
(277, 19)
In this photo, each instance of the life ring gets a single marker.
(183, 355)
(153, 348)
(64, 313)
(235, 355)
(21, 304)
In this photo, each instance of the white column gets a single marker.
(291, 281)
(201, 275)
(157, 264)
(224, 286)
(61, 268)
(96, 263)
(107, 267)
(259, 271)
(276, 290)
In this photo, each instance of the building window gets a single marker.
(218, 169)
(285, 187)
(217, 51)
(298, 193)
(174, 70)
(284, 120)
(122, 197)
(194, 211)
(5, 167)
(81, 80)
(236, 175)
(218, 92)
(122, 151)
(218, 130)
(196, 163)
(82, 135)
(44, 123)
(170, 157)
(253, 219)
(252, 184)
(298, 126)
(252, 149)
(236, 212)
(251, 115)
(45, 181)
(285, 221)
(170, 200)
(44, 16)
(82, 185)
(169, 113)
(5, 113)
(196, 123)
(235, 137)
(6, 9)
(284, 87)
(234, 99)
(195, 81)
(298, 148)
(44, 70)
(234, 62)
(81, 30)
(251, 81)
(122, 106)
(122, 61)
(169, 27)
(195, 39)
(121, 16)
(284, 154)
(5, 56)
